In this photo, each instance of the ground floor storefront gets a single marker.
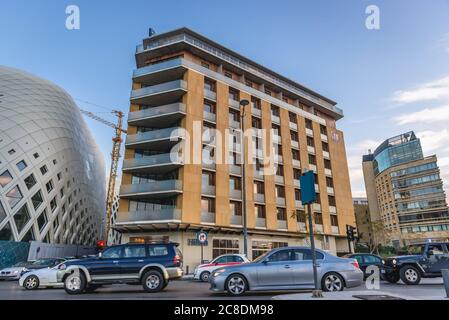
(219, 243)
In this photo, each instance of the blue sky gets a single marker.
(387, 81)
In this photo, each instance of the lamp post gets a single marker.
(243, 104)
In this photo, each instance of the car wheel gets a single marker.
(75, 283)
(205, 276)
(410, 275)
(31, 283)
(392, 277)
(165, 284)
(153, 281)
(332, 282)
(236, 285)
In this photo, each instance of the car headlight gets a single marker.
(25, 270)
(218, 272)
(383, 261)
(62, 267)
(394, 261)
(16, 271)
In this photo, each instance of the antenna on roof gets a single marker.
(151, 32)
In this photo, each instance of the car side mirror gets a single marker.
(99, 255)
(430, 253)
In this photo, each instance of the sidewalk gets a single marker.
(346, 295)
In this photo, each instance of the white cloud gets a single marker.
(435, 90)
(426, 115)
(433, 140)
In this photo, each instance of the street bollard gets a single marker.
(445, 273)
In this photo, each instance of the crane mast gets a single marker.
(115, 156)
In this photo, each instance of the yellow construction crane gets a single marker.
(115, 156)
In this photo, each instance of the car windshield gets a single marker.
(43, 262)
(21, 264)
(260, 258)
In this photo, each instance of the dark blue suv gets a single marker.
(152, 265)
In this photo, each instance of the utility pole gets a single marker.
(243, 103)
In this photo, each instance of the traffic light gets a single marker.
(351, 233)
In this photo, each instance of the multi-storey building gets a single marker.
(405, 191)
(52, 175)
(363, 220)
(184, 84)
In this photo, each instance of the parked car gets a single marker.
(287, 268)
(152, 265)
(44, 263)
(424, 261)
(368, 259)
(203, 271)
(14, 272)
(44, 277)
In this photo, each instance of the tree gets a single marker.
(379, 235)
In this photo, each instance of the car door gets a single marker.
(107, 266)
(133, 260)
(303, 266)
(438, 260)
(371, 260)
(276, 269)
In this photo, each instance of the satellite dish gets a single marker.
(151, 32)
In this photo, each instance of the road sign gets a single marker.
(308, 193)
(202, 237)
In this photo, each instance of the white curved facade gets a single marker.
(52, 175)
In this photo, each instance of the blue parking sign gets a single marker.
(307, 181)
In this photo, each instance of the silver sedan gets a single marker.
(287, 268)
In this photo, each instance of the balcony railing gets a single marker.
(297, 183)
(148, 162)
(326, 155)
(275, 119)
(295, 144)
(317, 188)
(170, 214)
(319, 228)
(236, 220)
(143, 138)
(235, 169)
(282, 224)
(208, 190)
(309, 132)
(256, 112)
(154, 116)
(330, 190)
(164, 93)
(209, 116)
(296, 163)
(210, 95)
(335, 230)
(208, 217)
(311, 149)
(312, 167)
(298, 204)
(280, 201)
(293, 126)
(152, 188)
(234, 124)
(324, 137)
(258, 174)
(277, 138)
(327, 172)
(279, 179)
(278, 158)
(235, 194)
(165, 71)
(317, 207)
(302, 227)
(332, 209)
(259, 198)
(234, 104)
(261, 223)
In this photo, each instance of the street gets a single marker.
(193, 290)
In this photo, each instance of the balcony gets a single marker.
(236, 170)
(280, 201)
(330, 191)
(261, 223)
(160, 163)
(333, 209)
(258, 174)
(160, 94)
(319, 228)
(234, 104)
(234, 124)
(309, 132)
(256, 112)
(317, 207)
(277, 139)
(210, 95)
(297, 183)
(326, 155)
(311, 149)
(235, 194)
(279, 179)
(258, 153)
(328, 172)
(312, 167)
(208, 190)
(160, 72)
(162, 116)
(257, 132)
(282, 224)
(154, 215)
(236, 220)
(324, 137)
(317, 188)
(208, 163)
(302, 227)
(296, 163)
(298, 204)
(259, 198)
(335, 230)
(295, 144)
(162, 139)
(208, 217)
(293, 126)
(155, 189)
(275, 119)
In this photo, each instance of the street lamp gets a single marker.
(243, 104)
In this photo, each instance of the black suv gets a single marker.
(151, 265)
(425, 261)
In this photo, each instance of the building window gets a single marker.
(208, 178)
(296, 174)
(207, 205)
(329, 182)
(30, 181)
(325, 146)
(297, 195)
(14, 196)
(209, 107)
(228, 74)
(260, 211)
(292, 117)
(301, 216)
(235, 183)
(309, 124)
(59, 176)
(280, 192)
(259, 247)
(54, 205)
(21, 218)
(224, 246)
(37, 200)
(331, 200)
(44, 169)
(234, 115)
(235, 208)
(21, 165)
(259, 187)
(318, 217)
(334, 220)
(36, 155)
(310, 142)
(210, 85)
(12, 151)
(49, 186)
(29, 236)
(42, 220)
(205, 65)
(323, 130)
(295, 154)
(281, 214)
(327, 164)
(312, 159)
(275, 111)
(294, 136)
(5, 178)
(256, 123)
(234, 94)
(255, 103)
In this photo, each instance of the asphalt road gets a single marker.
(193, 290)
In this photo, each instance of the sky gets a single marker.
(388, 80)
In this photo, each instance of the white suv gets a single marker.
(203, 271)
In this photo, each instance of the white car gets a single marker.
(203, 271)
(14, 272)
(46, 277)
